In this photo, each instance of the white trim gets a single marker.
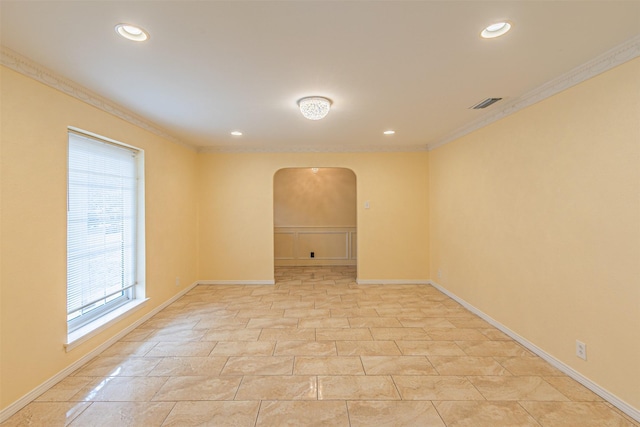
(605, 394)
(32, 69)
(328, 227)
(36, 392)
(236, 282)
(620, 54)
(103, 139)
(297, 231)
(392, 282)
(316, 149)
(29, 68)
(91, 329)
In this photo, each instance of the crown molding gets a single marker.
(29, 68)
(316, 149)
(612, 58)
(618, 55)
(38, 72)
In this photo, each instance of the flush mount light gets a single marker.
(236, 133)
(495, 30)
(314, 107)
(389, 132)
(131, 32)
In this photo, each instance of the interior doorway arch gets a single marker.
(315, 217)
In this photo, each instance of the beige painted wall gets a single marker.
(33, 146)
(315, 211)
(535, 220)
(326, 198)
(236, 212)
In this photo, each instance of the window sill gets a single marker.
(77, 337)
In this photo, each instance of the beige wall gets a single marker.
(303, 198)
(314, 210)
(236, 212)
(33, 147)
(535, 220)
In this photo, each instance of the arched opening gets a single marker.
(315, 220)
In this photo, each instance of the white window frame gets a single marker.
(91, 324)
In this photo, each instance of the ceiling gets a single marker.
(213, 67)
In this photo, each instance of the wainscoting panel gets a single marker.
(285, 245)
(330, 246)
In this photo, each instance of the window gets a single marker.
(103, 230)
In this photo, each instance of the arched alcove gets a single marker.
(315, 217)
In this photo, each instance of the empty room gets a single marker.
(311, 213)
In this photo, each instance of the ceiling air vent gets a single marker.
(485, 103)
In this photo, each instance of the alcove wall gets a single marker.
(315, 216)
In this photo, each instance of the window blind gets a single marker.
(101, 226)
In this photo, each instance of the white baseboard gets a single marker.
(33, 394)
(36, 392)
(236, 282)
(392, 282)
(605, 394)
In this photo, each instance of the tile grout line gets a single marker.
(169, 413)
(397, 389)
(195, 307)
(255, 423)
(529, 413)
(79, 414)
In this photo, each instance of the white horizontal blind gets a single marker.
(101, 227)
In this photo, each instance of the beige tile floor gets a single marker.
(317, 349)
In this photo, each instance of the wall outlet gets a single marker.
(177, 281)
(439, 274)
(581, 350)
(312, 254)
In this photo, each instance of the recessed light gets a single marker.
(236, 133)
(131, 32)
(389, 132)
(495, 30)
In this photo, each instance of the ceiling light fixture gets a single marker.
(389, 132)
(495, 30)
(236, 133)
(314, 107)
(131, 32)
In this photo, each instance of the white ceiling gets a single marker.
(212, 67)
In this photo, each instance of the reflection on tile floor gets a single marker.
(317, 349)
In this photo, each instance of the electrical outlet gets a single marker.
(581, 350)
(312, 255)
(177, 281)
(439, 274)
